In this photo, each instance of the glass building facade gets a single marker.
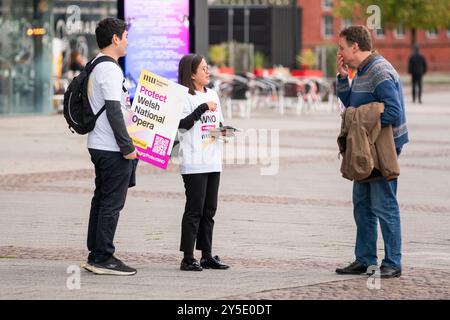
(36, 41)
(40, 40)
(25, 56)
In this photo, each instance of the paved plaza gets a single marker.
(284, 221)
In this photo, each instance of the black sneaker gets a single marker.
(87, 266)
(113, 266)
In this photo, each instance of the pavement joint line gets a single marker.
(50, 176)
(259, 199)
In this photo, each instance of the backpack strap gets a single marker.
(98, 114)
(90, 66)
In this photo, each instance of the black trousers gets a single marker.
(417, 85)
(201, 205)
(112, 178)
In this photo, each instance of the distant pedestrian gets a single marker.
(76, 61)
(417, 67)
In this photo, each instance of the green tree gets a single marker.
(412, 14)
(259, 60)
(217, 54)
(306, 58)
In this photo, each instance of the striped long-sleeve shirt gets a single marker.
(377, 81)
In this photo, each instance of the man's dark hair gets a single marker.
(187, 67)
(107, 28)
(358, 34)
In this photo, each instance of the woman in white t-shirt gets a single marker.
(201, 163)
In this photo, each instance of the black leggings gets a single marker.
(201, 204)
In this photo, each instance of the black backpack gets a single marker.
(77, 109)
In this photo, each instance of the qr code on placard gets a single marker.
(160, 145)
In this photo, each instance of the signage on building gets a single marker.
(75, 23)
(158, 37)
(36, 31)
(250, 3)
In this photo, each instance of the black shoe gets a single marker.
(388, 272)
(355, 267)
(113, 266)
(213, 263)
(192, 265)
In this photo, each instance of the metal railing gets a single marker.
(250, 93)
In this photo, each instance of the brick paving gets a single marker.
(415, 283)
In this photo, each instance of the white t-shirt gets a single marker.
(199, 152)
(105, 83)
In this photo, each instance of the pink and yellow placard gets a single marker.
(152, 121)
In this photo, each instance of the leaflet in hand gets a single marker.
(225, 131)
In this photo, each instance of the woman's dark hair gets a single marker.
(186, 68)
(107, 28)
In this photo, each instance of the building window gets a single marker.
(399, 32)
(346, 23)
(327, 4)
(327, 26)
(431, 34)
(379, 33)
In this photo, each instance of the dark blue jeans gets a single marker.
(112, 179)
(372, 202)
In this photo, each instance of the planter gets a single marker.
(307, 73)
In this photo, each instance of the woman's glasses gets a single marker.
(205, 69)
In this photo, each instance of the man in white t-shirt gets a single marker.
(111, 149)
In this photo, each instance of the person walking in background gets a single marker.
(201, 164)
(111, 149)
(417, 67)
(375, 81)
(76, 61)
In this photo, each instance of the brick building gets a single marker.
(320, 28)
